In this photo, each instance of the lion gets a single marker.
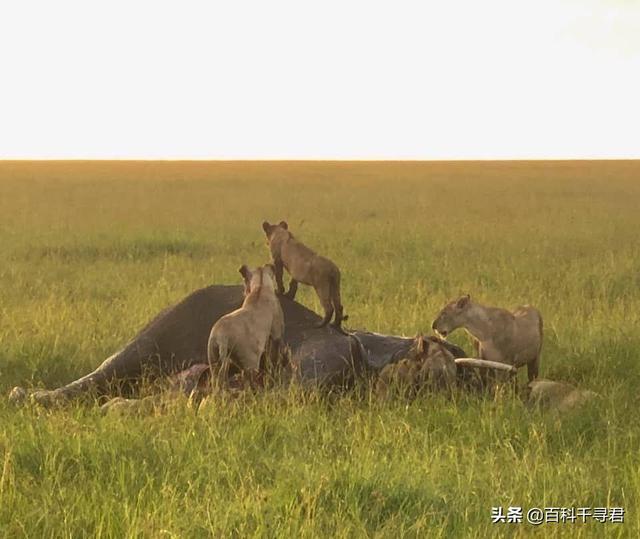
(239, 339)
(514, 338)
(429, 364)
(559, 397)
(307, 267)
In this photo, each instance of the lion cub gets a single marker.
(240, 337)
(511, 337)
(557, 396)
(307, 267)
(429, 364)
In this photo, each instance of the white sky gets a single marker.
(324, 79)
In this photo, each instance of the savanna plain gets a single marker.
(90, 251)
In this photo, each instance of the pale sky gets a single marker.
(326, 79)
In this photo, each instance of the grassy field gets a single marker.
(90, 251)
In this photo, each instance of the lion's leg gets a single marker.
(484, 373)
(324, 293)
(337, 305)
(337, 322)
(275, 341)
(334, 291)
(293, 289)
(270, 355)
(223, 372)
(279, 266)
(223, 362)
(532, 369)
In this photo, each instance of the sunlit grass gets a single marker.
(91, 251)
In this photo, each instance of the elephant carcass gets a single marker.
(176, 340)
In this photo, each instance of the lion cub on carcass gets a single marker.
(511, 337)
(307, 267)
(240, 337)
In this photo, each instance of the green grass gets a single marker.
(91, 251)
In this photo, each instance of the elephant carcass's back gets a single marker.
(177, 337)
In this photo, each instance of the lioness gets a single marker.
(240, 337)
(307, 267)
(428, 364)
(514, 338)
(557, 396)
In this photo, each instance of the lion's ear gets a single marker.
(244, 271)
(266, 227)
(463, 301)
(284, 225)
